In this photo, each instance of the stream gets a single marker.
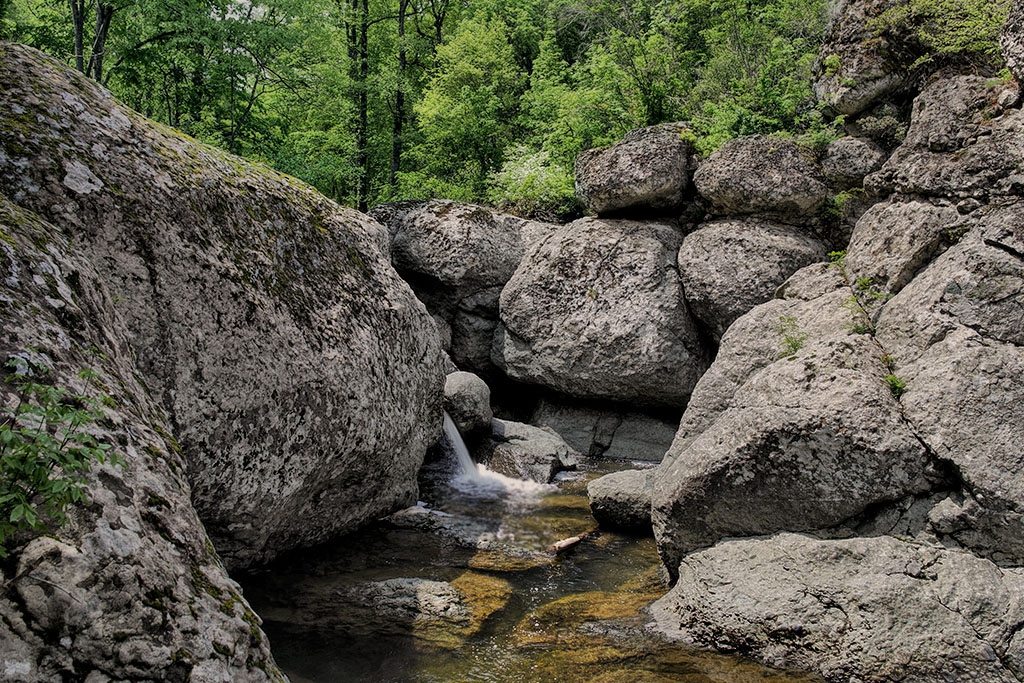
(463, 587)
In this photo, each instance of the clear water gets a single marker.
(575, 617)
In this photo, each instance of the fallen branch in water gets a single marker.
(571, 542)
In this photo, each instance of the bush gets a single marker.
(45, 453)
(530, 185)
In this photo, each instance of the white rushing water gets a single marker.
(476, 479)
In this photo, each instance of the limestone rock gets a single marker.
(457, 257)
(647, 171)
(856, 66)
(522, 451)
(467, 398)
(596, 310)
(622, 500)
(961, 144)
(894, 240)
(799, 436)
(763, 176)
(1011, 40)
(729, 266)
(607, 432)
(301, 376)
(848, 159)
(876, 610)
(130, 584)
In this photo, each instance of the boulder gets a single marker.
(857, 65)
(848, 159)
(893, 240)
(522, 451)
(607, 432)
(457, 257)
(800, 436)
(622, 500)
(760, 175)
(962, 144)
(729, 266)
(875, 610)
(129, 584)
(647, 171)
(1011, 40)
(467, 398)
(596, 310)
(300, 375)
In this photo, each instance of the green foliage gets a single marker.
(793, 338)
(529, 184)
(962, 30)
(45, 452)
(896, 385)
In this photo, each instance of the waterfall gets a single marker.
(454, 445)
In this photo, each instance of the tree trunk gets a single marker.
(104, 15)
(398, 116)
(78, 24)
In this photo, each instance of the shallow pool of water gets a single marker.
(464, 588)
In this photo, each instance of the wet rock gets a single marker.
(765, 176)
(857, 66)
(961, 144)
(457, 257)
(647, 171)
(605, 432)
(729, 266)
(467, 398)
(130, 584)
(596, 310)
(259, 312)
(522, 451)
(622, 500)
(848, 159)
(797, 434)
(865, 609)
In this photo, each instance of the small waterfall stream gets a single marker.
(462, 587)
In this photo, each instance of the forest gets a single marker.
(373, 101)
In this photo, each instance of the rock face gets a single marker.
(523, 451)
(457, 257)
(1011, 40)
(863, 609)
(607, 432)
(130, 585)
(647, 171)
(622, 500)
(596, 310)
(763, 176)
(299, 373)
(848, 159)
(729, 266)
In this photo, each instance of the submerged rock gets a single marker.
(300, 375)
(876, 610)
(596, 310)
(647, 171)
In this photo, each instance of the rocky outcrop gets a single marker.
(522, 451)
(622, 500)
(299, 373)
(648, 171)
(457, 257)
(876, 610)
(467, 398)
(603, 431)
(849, 159)
(765, 176)
(1011, 40)
(596, 310)
(729, 266)
(129, 585)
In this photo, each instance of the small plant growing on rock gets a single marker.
(44, 453)
(792, 338)
(896, 385)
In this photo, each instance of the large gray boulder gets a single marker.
(467, 399)
(857, 65)
(849, 159)
(647, 171)
(962, 143)
(874, 610)
(301, 376)
(522, 451)
(729, 266)
(596, 310)
(794, 427)
(622, 500)
(457, 257)
(129, 585)
(607, 432)
(765, 176)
